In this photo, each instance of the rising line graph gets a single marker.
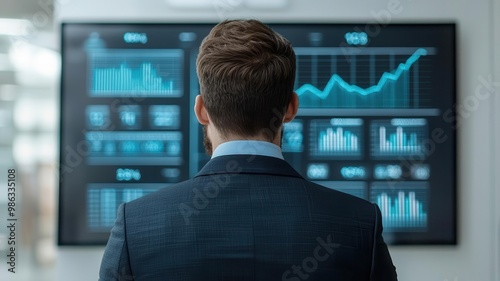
(392, 89)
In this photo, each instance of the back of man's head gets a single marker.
(246, 74)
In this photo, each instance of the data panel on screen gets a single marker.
(376, 120)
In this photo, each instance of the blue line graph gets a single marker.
(391, 91)
(355, 89)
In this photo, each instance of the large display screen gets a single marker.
(376, 120)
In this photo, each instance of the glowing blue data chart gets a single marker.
(165, 116)
(404, 205)
(387, 171)
(103, 201)
(355, 188)
(134, 148)
(336, 137)
(293, 136)
(399, 137)
(136, 73)
(130, 116)
(318, 171)
(367, 78)
(354, 172)
(98, 116)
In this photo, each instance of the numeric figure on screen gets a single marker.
(247, 215)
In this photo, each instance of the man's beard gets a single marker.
(281, 138)
(206, 141)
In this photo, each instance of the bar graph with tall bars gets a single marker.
(337, 140)
(103, 201)
(341, 137)
(398, 137)
(147, 73)
(401, 208)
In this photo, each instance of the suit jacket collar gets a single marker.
(248, 164)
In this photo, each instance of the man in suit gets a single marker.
(247, 215)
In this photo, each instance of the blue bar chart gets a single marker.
(399, 86)
(337, 137)
(398, 137)
(103, 201)
(402, 205)
(151, 73)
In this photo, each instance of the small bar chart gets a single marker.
(103, 201)
(337, 137)
(136, 73)
(403, 205)
(398, 137)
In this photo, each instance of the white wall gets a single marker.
(477, 255)
(496, 148)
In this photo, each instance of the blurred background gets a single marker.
(29, 75)
(29, 120)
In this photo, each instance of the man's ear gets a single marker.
(200, 111)
(291, 111)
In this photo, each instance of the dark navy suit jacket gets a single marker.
(247, 217)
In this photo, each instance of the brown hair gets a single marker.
(246, 73)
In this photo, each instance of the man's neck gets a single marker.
(216, 141)
(248, 147)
